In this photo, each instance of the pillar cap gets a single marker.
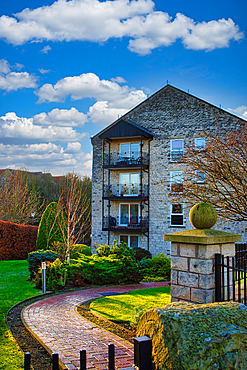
(203, 236)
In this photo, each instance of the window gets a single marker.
(200, 143)
(129, 150)
(129, 184)
(128, 214)
(199, 176)
(176, 178)
(177, 149)
(177, 216)
(131, 240)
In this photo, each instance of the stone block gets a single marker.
(187, 250)
(181, 292)
(207, 281)
(208, 251)
(188, 279)
(202, 295)
(174, 276)
(201, 266)
(179, 263)
(228, 249)
(174, 249)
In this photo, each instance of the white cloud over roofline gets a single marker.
(98, 21)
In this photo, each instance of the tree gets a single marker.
(52, 228)
(218, 175)
(18, 203)
(75, 200)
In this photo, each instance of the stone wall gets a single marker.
(168, 114)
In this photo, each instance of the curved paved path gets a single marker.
(55, 323)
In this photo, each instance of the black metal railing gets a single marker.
(142, 356)
(121, 190)
(116, 224)
(230, 277)
(118, 160)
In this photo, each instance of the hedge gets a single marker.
(16, 241)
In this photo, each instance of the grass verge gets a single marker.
(14, 288)
(128, 306)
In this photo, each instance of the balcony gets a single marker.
(132, 161)
(112, 224)
(126, 191)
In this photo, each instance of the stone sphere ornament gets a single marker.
(203, 216)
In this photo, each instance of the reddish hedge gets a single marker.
(16, 241)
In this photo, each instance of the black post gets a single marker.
(111, 357)
(218, 277)
(55, 361)
(143, 353)
(83, 360)
(27, 361)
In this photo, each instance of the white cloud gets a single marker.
(239, 111)
(49, 157)
(14, 129)
(98, 21)
(119, 80)
(73, 148)
(10, 81)
(43, 71)
(45, 49)
(112, 99)
(60, 117)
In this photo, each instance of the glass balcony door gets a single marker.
(129, 214)
(129, 184)
(129, 151)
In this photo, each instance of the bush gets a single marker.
(16, 241)
(35, 259)
(102, 270)
(159, 266)
(52, 227)
(78, 249)
(141, 253)
(56, 275)
(118, 250)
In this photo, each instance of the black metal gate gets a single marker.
(231, 276)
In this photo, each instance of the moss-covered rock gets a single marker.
(203, 216)
(190, 336)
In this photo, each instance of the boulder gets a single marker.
(192, 336)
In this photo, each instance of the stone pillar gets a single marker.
(193, 258)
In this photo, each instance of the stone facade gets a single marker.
(168, 114)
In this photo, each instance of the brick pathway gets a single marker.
(55, 323)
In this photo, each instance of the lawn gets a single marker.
(14, 288)
(125, 307)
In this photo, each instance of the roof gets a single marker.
(123, 129)
(101, 133)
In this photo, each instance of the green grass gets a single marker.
(14, 288)
(125, 307)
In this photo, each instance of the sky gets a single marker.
(70, 68)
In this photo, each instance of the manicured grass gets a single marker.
(124, 307)
(14, 288)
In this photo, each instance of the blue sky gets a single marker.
(70, 68)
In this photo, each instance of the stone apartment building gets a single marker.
(135, 165)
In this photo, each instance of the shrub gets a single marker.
(118, 250)
(103, 270)
(141, 253)
(52, 227)
(16, 241)
(56, 275)
(159, 266)
(35, 259)
(77, 249)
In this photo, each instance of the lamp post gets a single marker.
(43, 277)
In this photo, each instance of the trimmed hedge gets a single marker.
(16, 241)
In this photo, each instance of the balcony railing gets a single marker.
(124, 190)
(113, 224)
(117, 160)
